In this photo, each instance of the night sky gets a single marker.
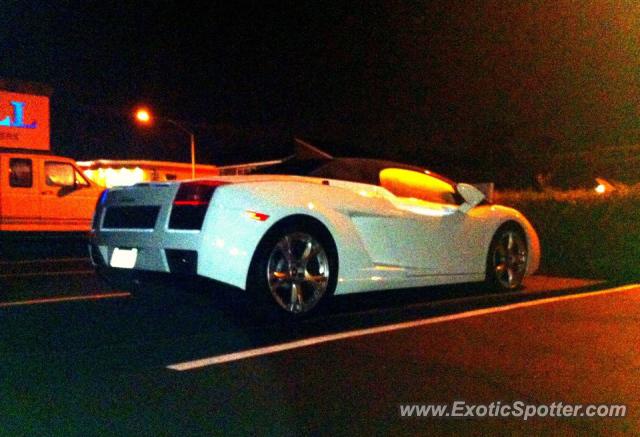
(443, 84)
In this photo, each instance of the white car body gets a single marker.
(383, 241)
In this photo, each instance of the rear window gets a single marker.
(20, 173)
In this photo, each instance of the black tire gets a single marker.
(507, 259)
(294, 271)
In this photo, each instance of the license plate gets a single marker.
(124, 258)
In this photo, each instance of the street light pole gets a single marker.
(144, 116)
(192, 140)
(193, 156)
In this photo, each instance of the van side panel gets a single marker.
(19, 198)
(30, 201)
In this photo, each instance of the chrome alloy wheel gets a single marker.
(509, 259)
(298, 272)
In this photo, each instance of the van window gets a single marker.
(58, 174)
(20, 173)
(81, 180)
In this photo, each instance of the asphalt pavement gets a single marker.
(78, 357)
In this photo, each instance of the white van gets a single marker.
(41, 192)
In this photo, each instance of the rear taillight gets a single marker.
(191, 203)
(97, 211)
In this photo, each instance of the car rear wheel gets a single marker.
(295, 271)
(507, 259)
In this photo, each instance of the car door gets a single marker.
(431, 234)
(68, 198)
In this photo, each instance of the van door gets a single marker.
(19, 197)
(68, 198)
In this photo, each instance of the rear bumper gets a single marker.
(176, 253)
(177, 261)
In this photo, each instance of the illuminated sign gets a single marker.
(24, 121)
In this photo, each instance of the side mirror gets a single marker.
(471, 195)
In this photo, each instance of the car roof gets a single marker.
(363, 170)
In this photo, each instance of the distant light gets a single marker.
(111, 177)
(604, 186)
(143, 115)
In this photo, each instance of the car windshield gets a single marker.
(417, 185)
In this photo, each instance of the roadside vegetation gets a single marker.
(584, 233)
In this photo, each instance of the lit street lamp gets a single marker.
(144, 116)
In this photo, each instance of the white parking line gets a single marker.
(44, 261)
(64, 299)
(251, 353)
(60, 273)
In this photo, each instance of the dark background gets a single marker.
(492, 89)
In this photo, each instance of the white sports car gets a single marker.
(312, 228)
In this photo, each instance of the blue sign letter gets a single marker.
(18, 117)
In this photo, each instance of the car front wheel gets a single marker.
(507, 259)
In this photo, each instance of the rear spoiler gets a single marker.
(303, 150)
(239, 169)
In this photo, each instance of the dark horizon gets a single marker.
(426, 82)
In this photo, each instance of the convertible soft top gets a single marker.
(361, 170)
